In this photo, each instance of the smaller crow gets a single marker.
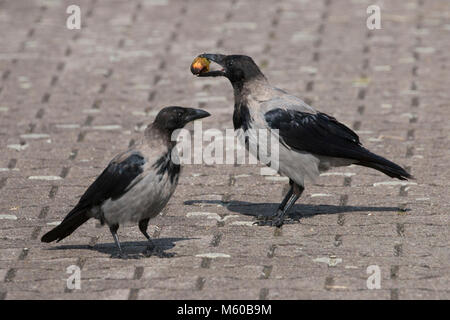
(310, 141)
(137, 183)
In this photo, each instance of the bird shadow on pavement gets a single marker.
(132, 249)
(297, 212)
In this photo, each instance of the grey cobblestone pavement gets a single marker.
(71, 99)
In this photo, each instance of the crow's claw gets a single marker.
(271, 222)
(119, 255)
(274, 221)
(155, 251)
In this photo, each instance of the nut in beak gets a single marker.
(200, 65)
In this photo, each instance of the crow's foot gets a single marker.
(155, 251)
(274, 221)
(119, 255)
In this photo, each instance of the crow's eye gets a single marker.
(230, 64)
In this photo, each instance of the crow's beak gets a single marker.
(194, 114)
(217, 58)
(200, 65)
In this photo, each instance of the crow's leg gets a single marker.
(279, 218)
(267, 220)
(113, 230)
(143, 225)
(151, 249)
(291, 197)
(286, 198)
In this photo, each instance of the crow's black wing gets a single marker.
(316, 133)
(114, 180)
(323, 135)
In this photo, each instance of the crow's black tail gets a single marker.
(74, 219)
(389, 168)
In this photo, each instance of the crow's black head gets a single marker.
(237, 68)
(172, 118)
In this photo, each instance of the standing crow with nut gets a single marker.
(310, 141)
(136, 185)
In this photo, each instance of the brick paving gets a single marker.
(70, 99)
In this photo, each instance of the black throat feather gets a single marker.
(241, 114)
(165, 165)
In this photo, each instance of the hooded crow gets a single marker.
(310, 141)
(137, 183)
